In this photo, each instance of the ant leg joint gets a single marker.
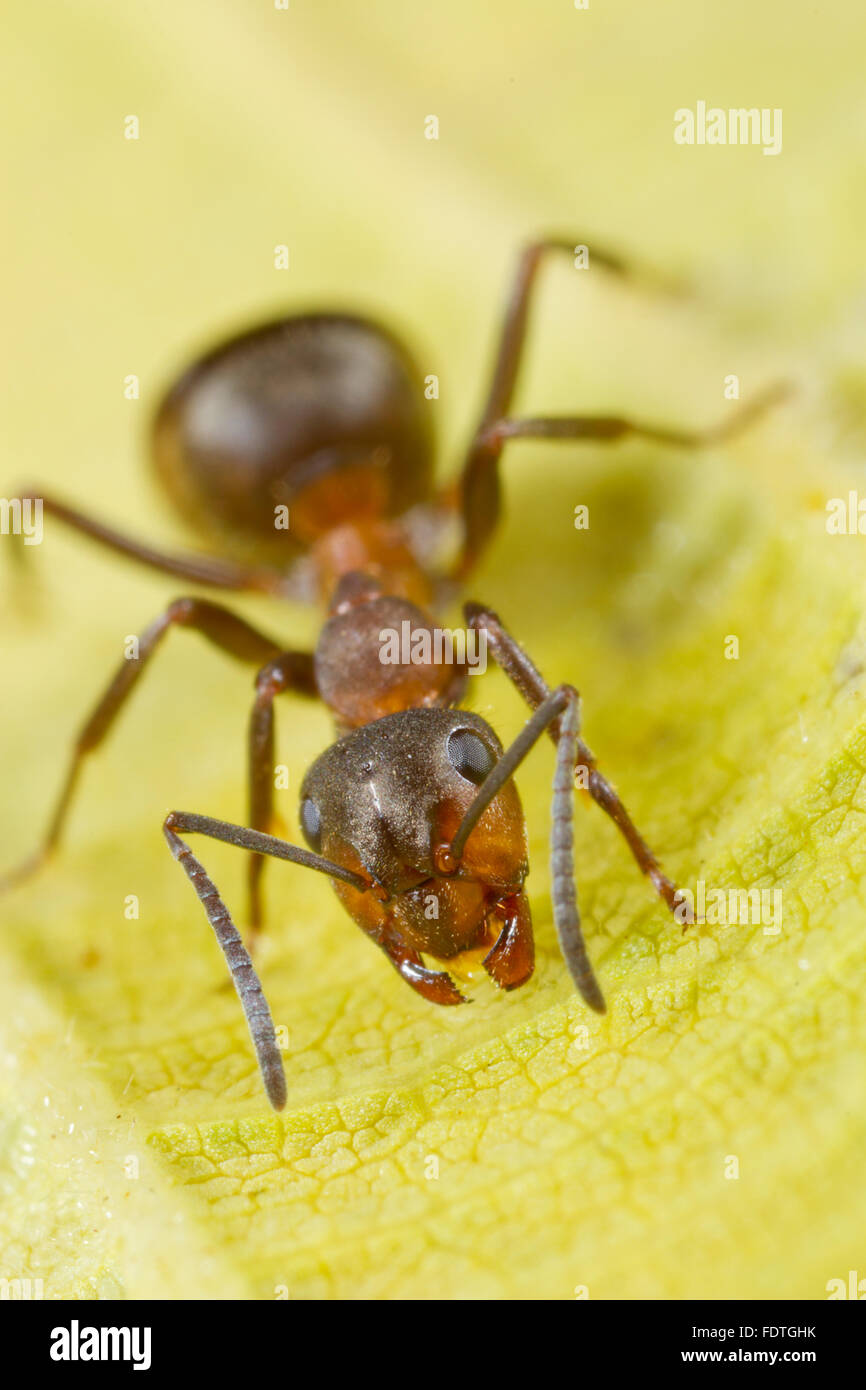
(270, 680)
(569, 693)
(180, 610)
(170, 826)
(479, 613)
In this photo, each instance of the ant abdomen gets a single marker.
(284, 433)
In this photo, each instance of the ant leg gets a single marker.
(288, 671)
(436, 986)
(558, 714)
(479, 485)
(480, 490)
(478, 493)
(513, 333)
(521, 671)
(198, 569)
(226, 631)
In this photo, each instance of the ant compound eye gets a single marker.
(311, 825)
(470, 756)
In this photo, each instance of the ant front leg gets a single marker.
(222, 628)
(521, 671)
(288, 671)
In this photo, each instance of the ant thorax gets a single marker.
(355, 674)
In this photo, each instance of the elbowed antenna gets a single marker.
(241, 968)
(564, 704)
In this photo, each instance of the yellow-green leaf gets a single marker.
(520, 1147)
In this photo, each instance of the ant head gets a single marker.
(388, 797)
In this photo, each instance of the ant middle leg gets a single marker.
(224, 629)
(523, 673)
(477, 494)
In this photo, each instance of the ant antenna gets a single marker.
(238, 959)
(563, 704)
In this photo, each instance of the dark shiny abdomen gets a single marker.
(324, 414)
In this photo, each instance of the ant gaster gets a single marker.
(415, 803)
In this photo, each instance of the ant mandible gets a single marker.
(415, 803)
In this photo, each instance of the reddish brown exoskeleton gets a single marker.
(413, 812)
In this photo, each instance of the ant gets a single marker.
(412, 813)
